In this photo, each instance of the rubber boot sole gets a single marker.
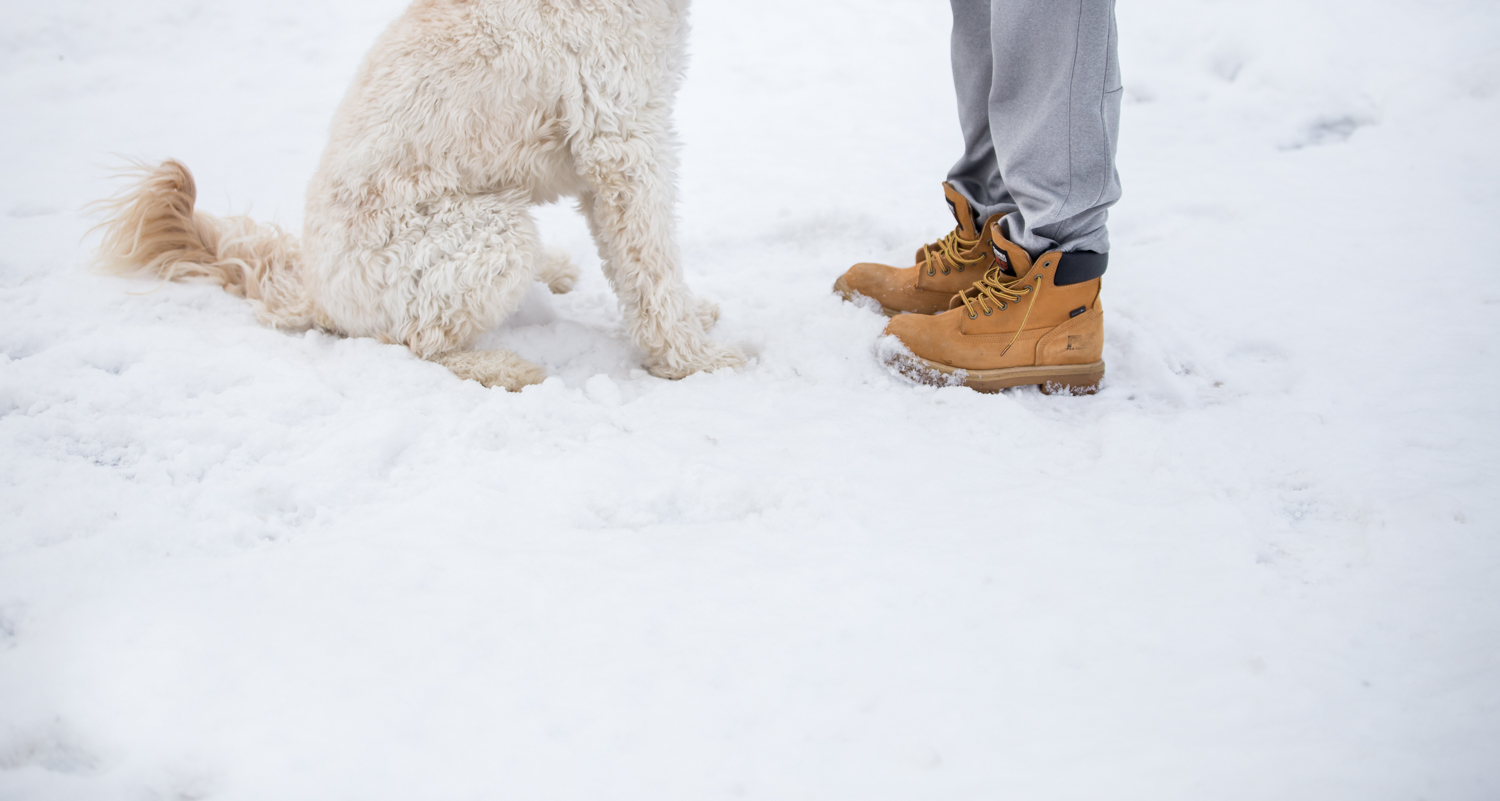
(848, 293)
(1066, 379)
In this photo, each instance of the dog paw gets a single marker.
(521, 375)
(708, 313)
(494, 368)
(683, 362)
(557, 271)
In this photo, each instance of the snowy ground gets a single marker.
(1263, 563)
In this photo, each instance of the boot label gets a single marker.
(1002, 259)
(1077, 311)
(1075, 342)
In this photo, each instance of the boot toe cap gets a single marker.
(896, 289)
(912, 330)
(874, 280)
(878, 282)
(926, 335)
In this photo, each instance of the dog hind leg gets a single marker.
(464, 264)
(708, 313)
(557, 271)
(492, 368)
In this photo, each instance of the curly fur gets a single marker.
(464, 115)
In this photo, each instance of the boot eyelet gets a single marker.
(1002, 307)
(960, 269)
(988, 312)
(946, 270)
(973, 316)
(930, 272)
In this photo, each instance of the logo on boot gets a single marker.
(1002, 259)
(1075, 342)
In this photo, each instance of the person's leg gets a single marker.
(949, 265)
(1052, 115)
(976, 174)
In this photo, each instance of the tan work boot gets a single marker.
(943, 268)
(1042, 326)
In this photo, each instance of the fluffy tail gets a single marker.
(153, 229)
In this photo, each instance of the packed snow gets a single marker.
(1262, 563)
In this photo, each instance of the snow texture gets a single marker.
(1262, 563)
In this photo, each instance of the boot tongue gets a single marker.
(1012, 259)
(968, 228)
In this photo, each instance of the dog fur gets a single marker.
(464, 115)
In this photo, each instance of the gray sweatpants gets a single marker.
(1039, 102)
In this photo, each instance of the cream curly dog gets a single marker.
(464, 115)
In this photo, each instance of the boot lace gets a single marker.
(951, 247)
(991, 292)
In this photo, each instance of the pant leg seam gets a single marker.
(1109, 145)
(1072, 73)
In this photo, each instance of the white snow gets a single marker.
(1263, 563)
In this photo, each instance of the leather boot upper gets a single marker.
(1011, 321)
(943, 268)
(969, 227)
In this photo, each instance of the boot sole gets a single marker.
(1067, 379)
(848, 293)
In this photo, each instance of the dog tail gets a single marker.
(152, 229)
